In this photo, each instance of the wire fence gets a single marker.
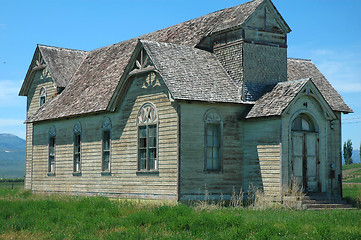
(11, 183)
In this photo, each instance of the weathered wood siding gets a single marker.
(40, 79)
(262, 155)
(125, 180)
(194, 180)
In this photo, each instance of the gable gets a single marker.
(60, 63)
(284, 95)
(267, 18)
(302, 68)
(309, 97)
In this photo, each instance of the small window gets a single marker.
(51, 157)
(77, 148)
(147, 138)
(106, 145)
(42, 96)
(213, 141)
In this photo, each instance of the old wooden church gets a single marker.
(211, 103)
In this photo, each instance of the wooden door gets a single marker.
(304, 162)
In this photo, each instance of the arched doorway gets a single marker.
(305, 160)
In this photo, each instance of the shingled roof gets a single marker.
(301, 68)
(61, 63)
(192, 74)
(93, 84)
(274, 102)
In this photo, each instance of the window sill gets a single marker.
(76, 173)
(209, 171)
(51, 174)
(150, 172)
(106, 173)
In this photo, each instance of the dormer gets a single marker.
(49, 72)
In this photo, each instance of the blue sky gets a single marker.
(326, 31)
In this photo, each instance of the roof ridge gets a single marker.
(43, 45)
(302, 59)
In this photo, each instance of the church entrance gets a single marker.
(305, 161)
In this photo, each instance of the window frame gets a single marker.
(148, 123)
(106, 127)
(77, 147)
(213, 118)
(42, 95)
(51, 153)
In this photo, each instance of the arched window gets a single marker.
(106, 127)
(77, 148)
(51, 157)
(303, 123)
(42, 96)
(213, 141)
(147, 138)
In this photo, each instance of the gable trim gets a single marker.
(129, 72)
(315, 94)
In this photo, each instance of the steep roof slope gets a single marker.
(274, 102)
(61, 63)
(300, 68)
(93, 84)
(192, 74)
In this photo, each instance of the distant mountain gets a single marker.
(10, 141)
(12, 156)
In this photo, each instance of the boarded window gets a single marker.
(213, 141)
(147, 138)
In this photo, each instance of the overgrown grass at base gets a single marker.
(65, 217)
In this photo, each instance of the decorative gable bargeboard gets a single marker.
(162, 116)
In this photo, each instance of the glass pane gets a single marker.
(152, 142)
(305, 125)
(216, 162)
(51, 151)
(215, 130)
(152, 130)
(142, 143)
(42, 100)
(152, 158)
(142, 158)
(106, 140)
(76, 162)
(142, 132)
(105, 161)
(51, 164)
(209, 158)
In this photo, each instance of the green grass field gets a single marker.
(24, 215)
(64, 217)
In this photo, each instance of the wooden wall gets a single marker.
(262, 155)
(40, 79)
(194, 180)
(124, 181)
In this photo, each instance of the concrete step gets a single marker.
(327, 206)
(320, 201)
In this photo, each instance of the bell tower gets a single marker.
(255, 53)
